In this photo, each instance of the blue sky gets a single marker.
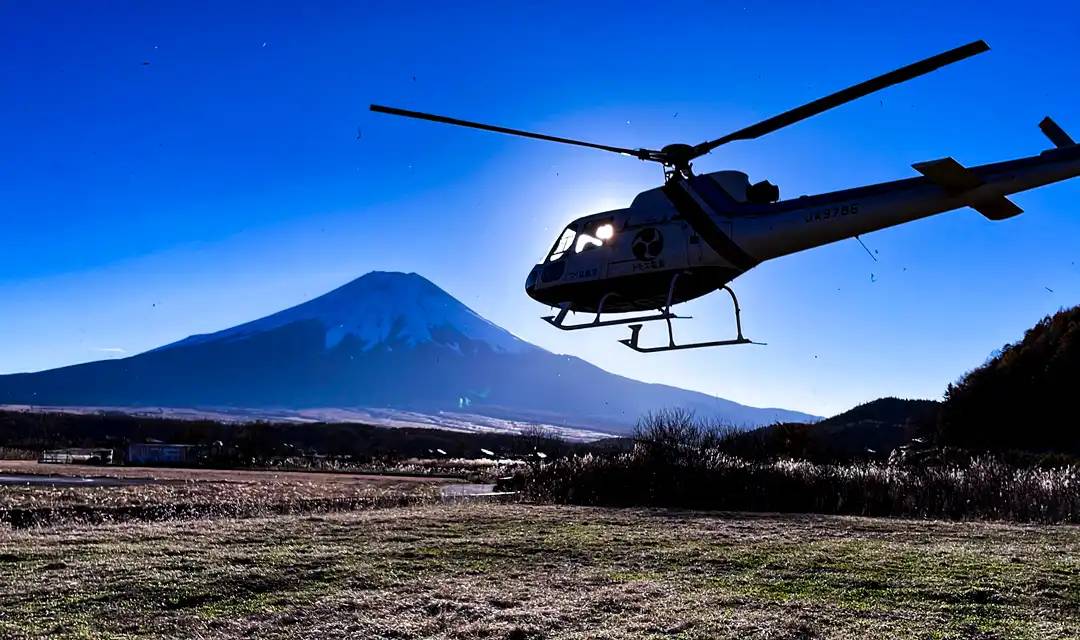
(178, 168)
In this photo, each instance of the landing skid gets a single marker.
(664, 313)
(632, 342)
(635, 330)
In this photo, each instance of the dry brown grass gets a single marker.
(516, 571)
(190, 493)
(218, 475)
(9, 453)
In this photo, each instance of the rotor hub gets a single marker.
(678, 153)
(676, 158)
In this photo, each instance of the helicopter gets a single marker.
(696, 233)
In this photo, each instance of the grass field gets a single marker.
(519, 571)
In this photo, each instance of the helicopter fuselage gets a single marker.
(705, 229)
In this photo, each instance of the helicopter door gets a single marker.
(698, 252)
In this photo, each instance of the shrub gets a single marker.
(677, 462)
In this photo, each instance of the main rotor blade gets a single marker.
(902, 74)
(644, 154)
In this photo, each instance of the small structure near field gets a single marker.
(76, 456)
(165, 454)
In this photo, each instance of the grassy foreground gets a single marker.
(515, 572)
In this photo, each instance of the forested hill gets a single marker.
(1026, 397)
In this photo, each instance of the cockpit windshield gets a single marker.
(595, 236)
(563, 245)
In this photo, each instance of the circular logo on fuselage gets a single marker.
(648, 244)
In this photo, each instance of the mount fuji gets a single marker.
(388, 348)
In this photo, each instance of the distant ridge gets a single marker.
(385, 342)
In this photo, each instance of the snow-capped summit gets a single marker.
(383, 308)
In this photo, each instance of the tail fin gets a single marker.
(1056, 134)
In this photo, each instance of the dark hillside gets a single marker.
(878, 426)
(1025, 398)
(883, 411)
(870, 430)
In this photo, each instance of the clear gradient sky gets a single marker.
(172, 168)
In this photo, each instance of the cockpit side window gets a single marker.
(566, 240)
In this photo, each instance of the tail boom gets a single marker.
(803, 223)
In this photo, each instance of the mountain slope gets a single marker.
(385, 340)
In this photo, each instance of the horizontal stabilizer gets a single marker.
(956, 178)
(997, 208)
(949, 173)
(1056, 134)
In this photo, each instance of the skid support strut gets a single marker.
(557, 320)
(635, 329)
